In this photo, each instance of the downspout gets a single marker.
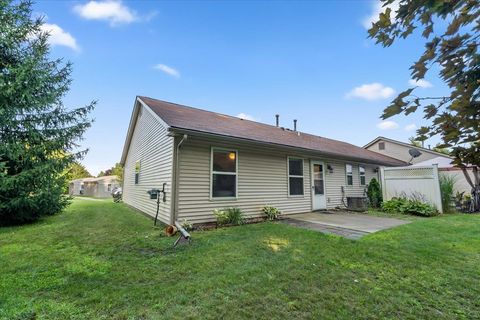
(176, 180)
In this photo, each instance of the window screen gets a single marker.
(361, 172)
(349, 172)
(295, 176)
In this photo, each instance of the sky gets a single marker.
(310, 61)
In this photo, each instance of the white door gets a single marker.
(318, 186)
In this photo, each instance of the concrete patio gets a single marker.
(348, 225)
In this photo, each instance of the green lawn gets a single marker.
(100, 260)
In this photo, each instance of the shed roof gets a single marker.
(93, 179)
(187, 118)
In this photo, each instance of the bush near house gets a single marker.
(409, 206)
(227, 216)
(271, 212)
(447, 185)
(374, 194)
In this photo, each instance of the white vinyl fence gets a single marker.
(412, 182)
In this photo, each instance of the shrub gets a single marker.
(229, 216)
(393, 205)
(374, 193)
(447, 184)
(187, 225)
(272, 213)
(409, 206)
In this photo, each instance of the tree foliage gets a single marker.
(451, 30)
(374, 193)
(39, 135)
(116, 170)
(414, 142)
(76, 171)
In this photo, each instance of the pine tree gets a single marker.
(39, 136)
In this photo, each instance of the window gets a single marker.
(381, 146)
(361, 173)
(295, 177)
(137, 171)
(224, 173)
(109, 187)
(349, 172)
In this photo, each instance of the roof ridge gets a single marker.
(405, 144)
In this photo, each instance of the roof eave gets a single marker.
(131, 128)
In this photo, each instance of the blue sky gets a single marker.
(309, 61)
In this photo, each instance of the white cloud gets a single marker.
(387, 125)
(115, 12)
(422, 83)
(168, 70)
(59, 37)
(376, 10)
(372, 91)
(411, 127)
(245, 116)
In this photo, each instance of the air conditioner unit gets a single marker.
(357, 203)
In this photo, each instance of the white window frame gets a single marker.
(212, 150)
(347, 174)
(362, 174)
(295, 176)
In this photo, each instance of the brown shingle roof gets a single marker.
(183, 117)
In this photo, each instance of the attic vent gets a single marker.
(381, 146)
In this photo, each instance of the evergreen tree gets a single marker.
(39, 135)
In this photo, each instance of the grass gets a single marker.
(100, 260)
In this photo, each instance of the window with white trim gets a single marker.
(295, 177)
(349, 174)
(361, 173)
(224, 173)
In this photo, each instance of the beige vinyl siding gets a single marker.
(152, 146)
(102, 188)
(262, 179)
(334, 181)
(400, 152)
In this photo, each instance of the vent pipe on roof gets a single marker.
(295, 125)
(277, 116)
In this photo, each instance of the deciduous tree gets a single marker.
(451, 30)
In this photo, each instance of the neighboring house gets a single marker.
(211, 161)
(100, 187)
(400, 150)
(446, 168)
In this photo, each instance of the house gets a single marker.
(400, 150)
(100, 187)
(210, 161)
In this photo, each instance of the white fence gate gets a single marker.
(411, 181)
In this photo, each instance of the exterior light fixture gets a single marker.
(330, 168)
